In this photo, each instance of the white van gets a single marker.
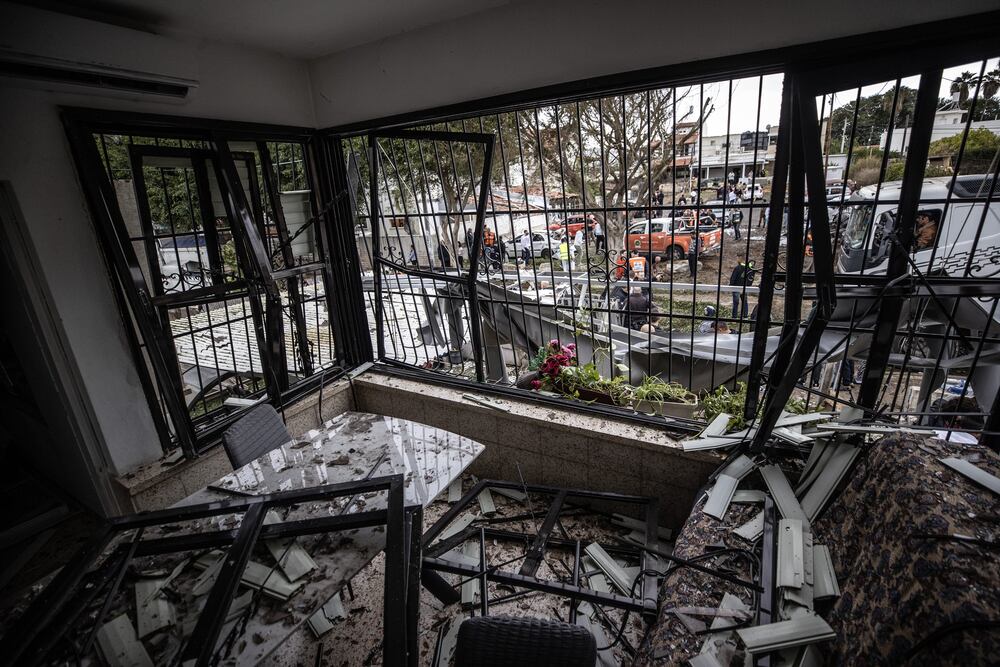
(965, 225)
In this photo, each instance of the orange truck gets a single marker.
(668, 237)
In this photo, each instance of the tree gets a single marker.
(991, 83)
(984, 93)
(962, 84)
(981, 148)
(610, 152)
(874, 114)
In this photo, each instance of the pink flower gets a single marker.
(536, 384)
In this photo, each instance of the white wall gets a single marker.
(524, 45)
(235, 84)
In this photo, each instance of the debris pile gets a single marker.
(597, 550)
(779, 547)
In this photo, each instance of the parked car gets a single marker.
(184, 252)
(667, 237)
(834, 193)
(543, 245)
(574, 223)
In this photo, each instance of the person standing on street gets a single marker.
(637, 267)
(443, 255)
(600, 243)
(694, 249)
(579, 241)
(564, 254)
(413, 255)
(743, 275)
(526, 246)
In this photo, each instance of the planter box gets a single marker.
(595, 396)
(667, 408)
(524, 382)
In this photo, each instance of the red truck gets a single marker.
(671, 236)
(574, 223)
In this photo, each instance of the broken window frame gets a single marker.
(55, 610)
(801, 158)
(148, 335)
(386, 264)
(822, 66)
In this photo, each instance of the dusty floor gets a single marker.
(356, 640)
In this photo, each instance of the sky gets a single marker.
(743, 113)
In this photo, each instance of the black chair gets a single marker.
(502, 641)
(255, 434)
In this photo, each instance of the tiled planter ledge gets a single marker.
(548, 445)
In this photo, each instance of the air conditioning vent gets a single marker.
(93, 79)
(41, 45)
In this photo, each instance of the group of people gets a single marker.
(638, 304)
(734, 193)
(571, 249)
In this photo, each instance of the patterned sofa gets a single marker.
(911, 592)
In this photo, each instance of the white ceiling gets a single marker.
(301, 28)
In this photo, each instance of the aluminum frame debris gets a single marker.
(805, 629)
(720, 496)
(974, 473)
(39, 630)
(788, 505)
(646, 600)
(836, 466)
(825, 583)
(791, 573)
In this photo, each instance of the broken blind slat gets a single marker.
(752, 529)
(616, 575)
(805, 629)
(793, 420)
(818, 456)
(717, 426)
(748, 496)
(783, 495)
(739, 467)
(829, 478)
(824, 576)
(790, 556)
(973, 472)
(720, 496)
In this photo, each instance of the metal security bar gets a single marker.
(227, 256)
(644, 204)
(620, 216)
(62, 621)
(399, 282)
(641, 168)
(910, 167)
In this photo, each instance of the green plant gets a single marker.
(722, 400)
(538, 359)
(732, 403)
(796, 406)
(655, 390)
